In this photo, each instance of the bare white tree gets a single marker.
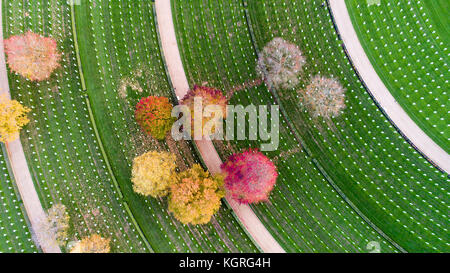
(324, 97)
(54, 227)
(280, 64)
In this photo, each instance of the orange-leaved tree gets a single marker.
(33, 56)
(92, 244)
(154, 115)
(12, 118)
(196, 196)
(153, 173)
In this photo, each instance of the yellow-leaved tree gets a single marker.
(196, 196)
(92, 244)
(12, 118)
(153, 173)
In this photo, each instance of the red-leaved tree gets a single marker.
(33, 56)
(249, 177)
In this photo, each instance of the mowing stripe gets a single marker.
(379, 92)
(138, 228)
(17, 193)
(246, 216)
(75, 41)
(308, 152)
(97, 135)
(203, 163)
(18, 163)
(102, 149)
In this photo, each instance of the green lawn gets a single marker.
(305, 214)
(361, 152)
(119, 47)
(407, 43)
(15, 236)
(343, 183)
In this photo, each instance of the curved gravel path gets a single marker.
(207, 150)
(18, 162)
(420, 140)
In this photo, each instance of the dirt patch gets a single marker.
(285, 154)
(95, 212)
(142, 143)
(188, 153)
(172, 144)
(58, 23)
(133, 81)
(225, 148)
(128, 82)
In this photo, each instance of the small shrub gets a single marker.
(280, 64)
(12, 118)
(33, 56)
(153, 114)
(54, 228)
(249, 177)
(92, 244)
(324, 97)
(196, 196)
(210, 96)
(153, 173)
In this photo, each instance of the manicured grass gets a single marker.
(119, 45)
(407, 44)
(361, 152)
(304, 214)
(343, 183)
(60, 145)
(15, 236)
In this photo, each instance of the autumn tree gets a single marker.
(53, 229)
(209, 97)
(280, 64)
(33, 56)
(92, 244)
(153, 173)
(323, 97)
(153, 114)
(249, 176)
(12, 118)
(196, 196)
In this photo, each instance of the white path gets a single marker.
(209, 154)
(379, 91)
(18, 162)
